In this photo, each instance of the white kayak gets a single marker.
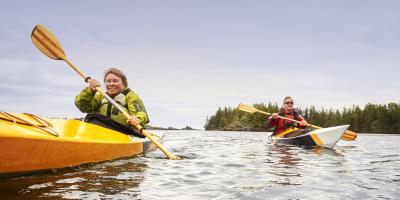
(324, 137)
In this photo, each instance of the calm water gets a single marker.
(229, 165)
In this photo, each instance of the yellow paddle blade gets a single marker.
(349, 135)
(247, 108)
(47, 43)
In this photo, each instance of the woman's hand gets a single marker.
(274, 115)
(134, 121)
(93, 84)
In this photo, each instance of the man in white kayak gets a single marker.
(288, 112)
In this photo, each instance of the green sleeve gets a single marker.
(88, 101)
(136, 107)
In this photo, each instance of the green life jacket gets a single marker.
(88, 101)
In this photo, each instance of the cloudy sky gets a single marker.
(187, 58)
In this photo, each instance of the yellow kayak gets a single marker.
(32, 143)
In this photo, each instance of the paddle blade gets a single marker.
(349, 135)
(247, 108)
(47, 43)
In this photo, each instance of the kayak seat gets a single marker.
(106, 122)
(297, 132)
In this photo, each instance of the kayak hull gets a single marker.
(324, 137)
(26, 148)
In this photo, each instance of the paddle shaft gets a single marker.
(76, 69)
(310, 125)
(138, 126)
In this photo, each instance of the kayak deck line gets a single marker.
(22, 118)
(39, 119)
(42, 123)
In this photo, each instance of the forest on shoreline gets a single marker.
(372, 118)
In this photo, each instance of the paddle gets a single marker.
(347, 135)
(48, 44)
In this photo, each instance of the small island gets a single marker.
(372, 118)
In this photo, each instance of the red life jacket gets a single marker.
(283, 124)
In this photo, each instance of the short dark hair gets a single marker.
(118, 73)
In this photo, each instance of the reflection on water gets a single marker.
(88, 181)
(286, 156)
(228, 165)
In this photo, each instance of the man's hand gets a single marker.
(303, 123)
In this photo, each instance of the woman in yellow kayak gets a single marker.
(89, 101)
(289, 112)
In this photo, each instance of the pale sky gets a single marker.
(187, 58)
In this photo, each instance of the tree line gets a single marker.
(373, 118)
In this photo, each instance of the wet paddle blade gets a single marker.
(247, 108)
(47, 43)
(349, 135)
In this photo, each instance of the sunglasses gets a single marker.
(289, 102)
